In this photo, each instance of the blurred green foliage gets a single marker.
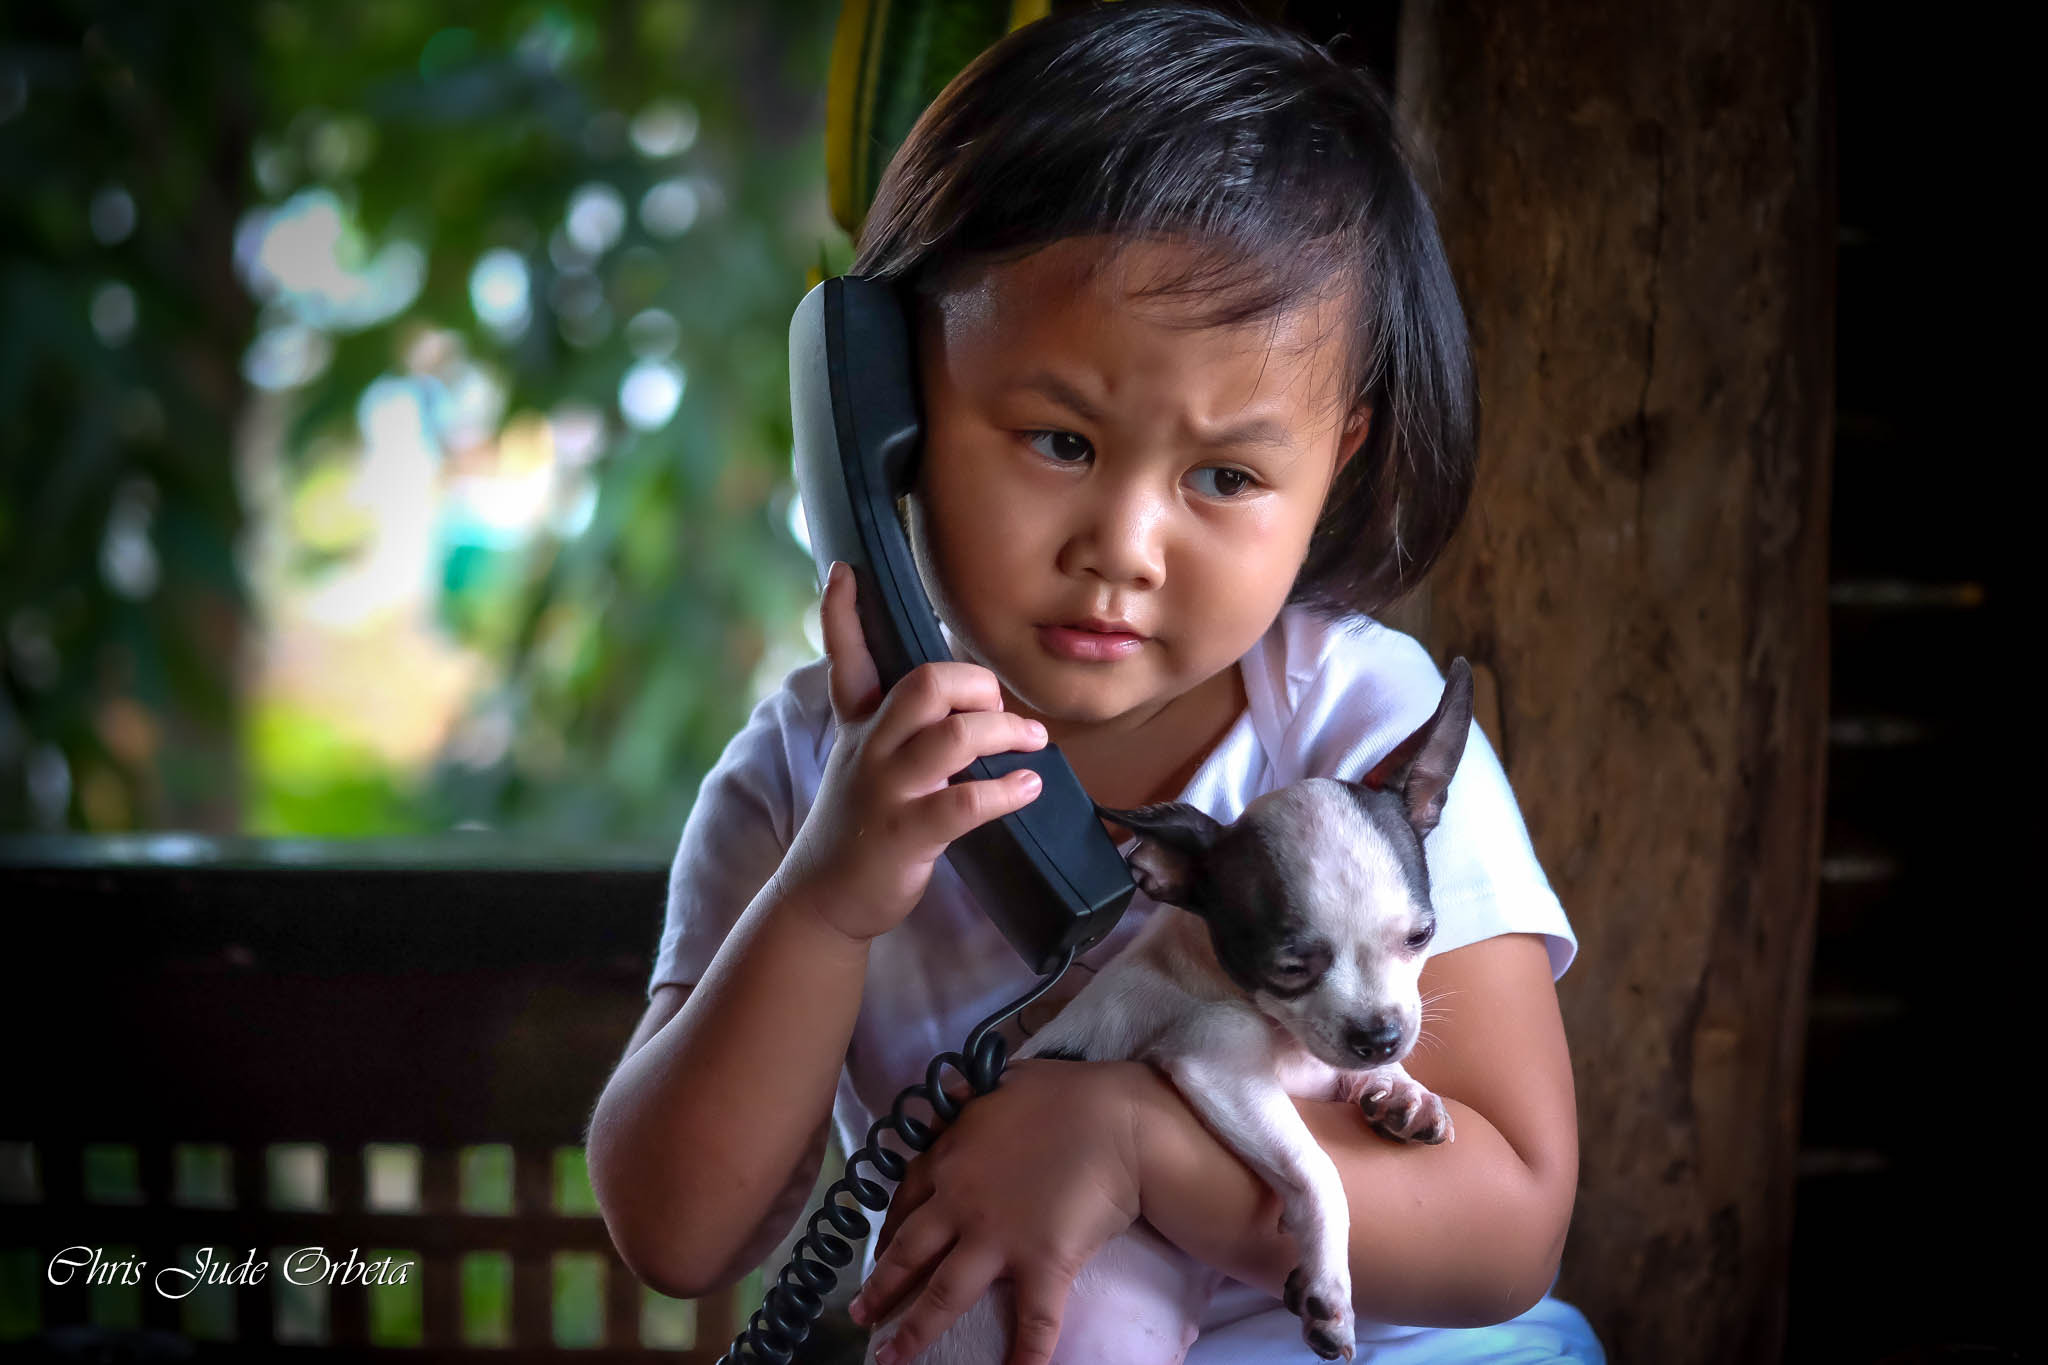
(138, 140)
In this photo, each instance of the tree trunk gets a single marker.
(1639, 206)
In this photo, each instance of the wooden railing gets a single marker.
(255, 1049)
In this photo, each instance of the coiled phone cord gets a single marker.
(797, 1297)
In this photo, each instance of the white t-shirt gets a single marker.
(1322, 700)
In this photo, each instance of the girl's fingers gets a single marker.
(910, 1194)
(928, 694)
(961, 1278)
(947, 814)
(855, 686)
(1041, 1306)
(934, 754)
(918, 1246)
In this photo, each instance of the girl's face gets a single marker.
(1086, 458)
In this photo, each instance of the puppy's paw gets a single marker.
(1403, 1109)
(1323, 1303)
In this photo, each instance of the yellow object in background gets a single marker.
(890, 59)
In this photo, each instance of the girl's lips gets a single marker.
(1091, 646)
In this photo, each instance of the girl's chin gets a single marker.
(1060, 701)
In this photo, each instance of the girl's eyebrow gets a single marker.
(1059, 390)
(1261, 432)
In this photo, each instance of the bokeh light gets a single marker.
(112, 215)
(500, 292)
(669, 208)
(113, 313)
(665, 128)
(597, 215)
(650, 393)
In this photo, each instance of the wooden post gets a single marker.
(1638, 202)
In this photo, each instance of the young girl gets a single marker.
(1198, 399)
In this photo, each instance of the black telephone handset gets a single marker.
(1047, 875)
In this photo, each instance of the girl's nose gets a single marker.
(1121, 533)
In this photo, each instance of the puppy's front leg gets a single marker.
(1399, 1106)
(1237, 1096)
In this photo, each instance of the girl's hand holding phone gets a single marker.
(886, 809)
(1027, 1184)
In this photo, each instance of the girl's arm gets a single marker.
(1462, 1234)
(705, 1128)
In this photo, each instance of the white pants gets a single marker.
(1245, 1327)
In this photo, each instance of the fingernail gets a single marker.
(1038, 729)
(887, 1355)
(1030, 781)
(858, 1311)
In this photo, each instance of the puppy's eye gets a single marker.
(1419, 940)
(1296, 967)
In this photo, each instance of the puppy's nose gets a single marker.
(1375, 1039)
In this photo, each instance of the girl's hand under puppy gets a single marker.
(886, 808)
(1027, 1184)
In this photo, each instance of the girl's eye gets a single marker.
(1421, 937)
(1064, 447)
(1059, 446)
(1233, 481)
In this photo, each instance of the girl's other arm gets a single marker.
(701, 1130)
(667, 1000)
(719, 1109)
(1457, 1235)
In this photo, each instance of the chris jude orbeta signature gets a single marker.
(307, 1265)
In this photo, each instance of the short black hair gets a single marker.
(1283, 164)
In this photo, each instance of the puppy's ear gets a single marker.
(1421, 765)
(1172, 839)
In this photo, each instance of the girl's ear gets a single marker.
(1352, 439)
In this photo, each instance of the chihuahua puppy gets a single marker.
(1282, 961)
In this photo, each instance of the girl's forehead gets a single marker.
(1088, 295)
(1163, 277)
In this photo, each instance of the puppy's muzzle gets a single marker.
(1374, 1040)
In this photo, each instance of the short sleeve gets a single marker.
(1373, 689)
(742, 823)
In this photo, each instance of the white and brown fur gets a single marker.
(1283, 961)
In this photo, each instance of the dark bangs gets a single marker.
(1282, 166)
